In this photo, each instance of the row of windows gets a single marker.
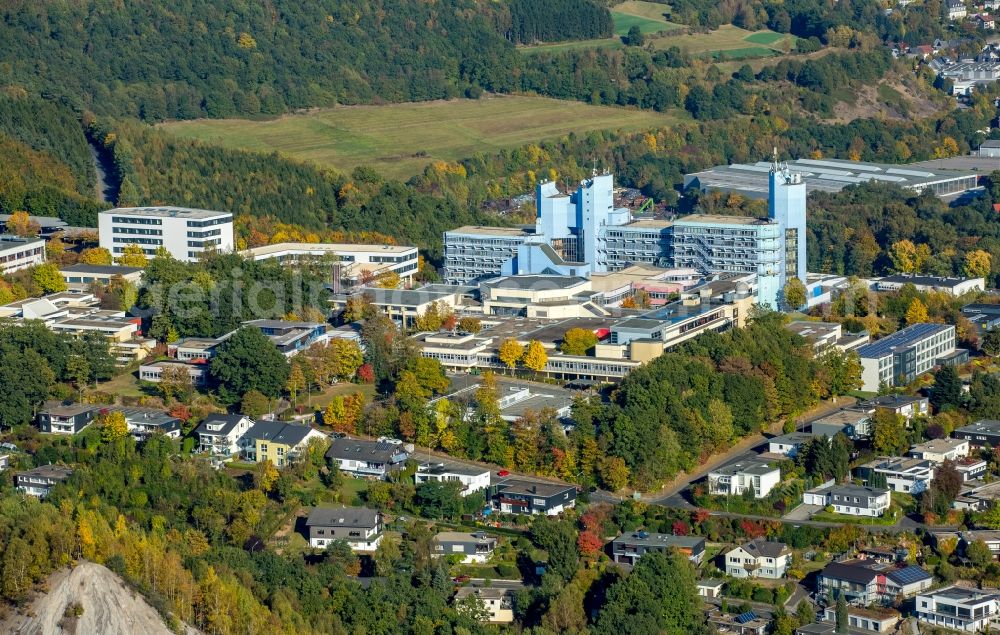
(138, 241)
(137, 230)
(130, 220)
(206, 234)
(21, 255)
(210, 223)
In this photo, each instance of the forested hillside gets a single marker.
(193, 59)
(555, 20)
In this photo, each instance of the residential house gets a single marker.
(517, 496)
(359, 527)
(711, 587)
(473, 547)
(65, 418)
(861, 619)
(277, 441)
(866, 582)
(472, 478)
(758, 558)
(788, 444)
(497, 601)
(366, 459)
(980, 433)
(628, 548)
(960, 608)
(222, 435)
(4, 461)
(910, 476)
(970, 468)
(990, 537)
(940, 450)
(907, 405)
(738, 477)
(144, 422)
(39, 481)
(748, 623)
(984, 22)
(852, 422)
(852, 500)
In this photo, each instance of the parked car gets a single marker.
(503, 473)
(462, 579)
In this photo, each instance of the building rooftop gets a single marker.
(890, 401)
(925, 281)
(905, 337)
(55, 472)
(537, 282)
(531, 488)
(360, 517)
(792, 438)
(983, 426)
(279, 432)
(513, 232)
(721, 219)
(463, 536)
(106, 270)
(323, 248)
(224, 424)
(146, 416)
(64, 409)
(650, 223)
(378, 451)
(766, 548)
(11, 240)
(749, 466)
(938, 445)
(167, 212)
(659, 540)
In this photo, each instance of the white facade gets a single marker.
(472, 480)
(941, 450)
(18, 253)
(959, 608)
(899, 358)
(185, 233)
(851, 500)
(747, 562)
(357, 258)
(734, 479)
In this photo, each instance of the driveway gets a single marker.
(802, 512)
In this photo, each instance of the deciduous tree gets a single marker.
(577, 341)
(510, 352)
(133, 256)
(535, 358)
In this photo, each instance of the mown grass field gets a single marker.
(726, 38)
(648, 16)
(400, 139)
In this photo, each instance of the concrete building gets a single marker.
(867, 582)
(852, 500)
(81, 276)
(942, 284)
(471, 478)
(359, 527)
(144, 422)
(899, 358)
(628, 548)
(735, 478)
(472, 547)
(831, 175)
(18, 253)
(960, 609)
(184, 232)
(404, 305)
(989, 149)
(908, 406)
(825, 335)
(910, 476)
(852, 422)
(357, 261)
(38, 482)
(47, 225)
(153, 372)
(543, 296)
(473, 253)
(498, 602)
(758, 559)
(940, 450)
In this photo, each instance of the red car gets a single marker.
(462, 579)
(503, 473)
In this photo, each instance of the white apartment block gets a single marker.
(184, 232)
(356, 259)
(899, 358)
(18, 253)
(959, 609)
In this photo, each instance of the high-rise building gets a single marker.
(185, 233)
(582, 233)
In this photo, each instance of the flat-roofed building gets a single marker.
(404, 306)
(980, 433)
(824, 335)
(629, 547)
(472, 547)
(38, 482)
(854, 423)
(538, 295)
(907, 475)
(751, 475)
(18, 253)
(908, 406)
(941, 284)
(789, 444)
(473, 252)
(940, 450)
(498, 602)
(357, 260)
(153, 372)
(65, 418)
(959, 608)
(81, 275)
(185, 233)
(471, 478)
(899, 358)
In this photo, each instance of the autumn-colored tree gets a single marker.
(333, 415)
(175, 383)
(589, 543)
(907, 257)
(510, 352)
(254, 404)
(449, 322)
(978, 264)
(535, 357)
(296, 381)
(577, 341)
(794, 294)
(614, 473)
(680, 528)
(387, 280)
(113, 425)
(133, 256)
(96, 256)
(21, 224)
(265, 475)
(78, 370)
(48, 278)
(888, 432)
(470, 325)
(916, 313)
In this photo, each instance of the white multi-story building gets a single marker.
(18, 253)
(357, 260)
(899, 358)
(853, 500)
(759, 559)
(910, 476)
(960, 609)
(184, 232)
(472, 479)
(736, 478)
(940, 450)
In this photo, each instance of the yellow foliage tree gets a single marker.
(21, 224)
(113, 426)
(133, 256)
(510, 352)
(978, 263)
(916, 312)
(96, 256)
(388, 280)
(535, 356)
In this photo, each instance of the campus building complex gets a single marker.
(185, 233)
(582, 233)
(898, 358)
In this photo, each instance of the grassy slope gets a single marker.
(389, 137)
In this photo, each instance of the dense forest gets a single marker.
(557, 20)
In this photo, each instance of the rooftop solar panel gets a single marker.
(909, 575)
(743, 618)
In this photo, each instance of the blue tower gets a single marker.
(786, 204)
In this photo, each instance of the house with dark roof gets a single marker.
(758, 558)
(65, 418)
(359, 527)
(907, 405)
(865, 582)
(277, 441)
(40, 480)
(222, 435)
(518, 496)
(367, 459)
(472, 547)
(980, 433)
(629, 547)
(748, 623)
(853, 500)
